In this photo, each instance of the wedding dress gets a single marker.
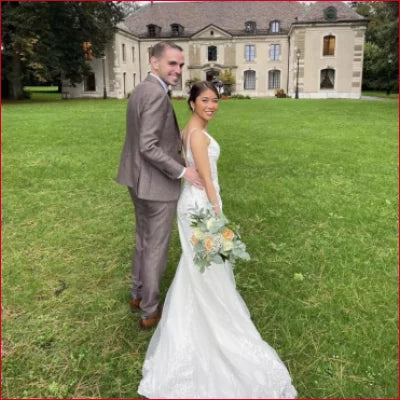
(205, 345)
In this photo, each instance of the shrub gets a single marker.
(227, 77)
(280, 93)
(240, 97)
(190, 82)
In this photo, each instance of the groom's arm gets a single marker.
(153, 115)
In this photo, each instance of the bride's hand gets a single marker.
(216, 209)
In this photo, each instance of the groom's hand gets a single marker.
(192, 176)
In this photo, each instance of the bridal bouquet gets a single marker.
(213, 240)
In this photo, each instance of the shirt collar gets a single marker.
(163, 84)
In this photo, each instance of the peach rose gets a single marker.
(208, 244)
(228, 234)
(194, 239)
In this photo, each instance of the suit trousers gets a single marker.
(154, 221)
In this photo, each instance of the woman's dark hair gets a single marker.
(198, 88)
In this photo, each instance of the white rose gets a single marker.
(210, 223)
(227, 245)
(198, 234)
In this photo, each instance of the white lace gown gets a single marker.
(205, 345)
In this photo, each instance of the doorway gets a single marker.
(212, 75)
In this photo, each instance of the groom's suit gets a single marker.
(150, 165)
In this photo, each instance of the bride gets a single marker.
(205, 345)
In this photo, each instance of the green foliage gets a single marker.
(381, 48)
(280, 93)
(227, 77)
(240, 97)
(42, 40)
(313, 184)
(190, 82)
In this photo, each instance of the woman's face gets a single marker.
(206, 104)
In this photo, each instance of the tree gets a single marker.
(228, 80)
(44, 40)
(381, 51)
(130, 7)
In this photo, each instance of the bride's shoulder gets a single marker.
(193, 132)
(200, 135)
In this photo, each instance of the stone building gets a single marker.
(316, 50)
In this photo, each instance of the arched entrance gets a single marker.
(212, 75)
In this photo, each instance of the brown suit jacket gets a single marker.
(151, 157)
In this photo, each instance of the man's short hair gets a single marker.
(159, 49)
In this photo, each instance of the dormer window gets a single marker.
(275, 27)
(250, 27)
(153, 30)
(176, 29)
(330, 13)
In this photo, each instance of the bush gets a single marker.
(280, 93)
(227, 77)
(190, 82)
(240, 97)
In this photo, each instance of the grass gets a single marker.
(381, 94)
(39, 89)
(313, 184)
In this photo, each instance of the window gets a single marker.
(330, 13)
(249, 52)
(133, 54)
(250, 26)
(329, 45)
(153, 30)
(250, 80)
(134, 80)
(274, 52)
(327, 78)
(274, 79)
(212, 53)
(87, 50)
(275, 26)
(123, 52)
(89, 83)
(176, 29)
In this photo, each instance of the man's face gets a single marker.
(169, 66)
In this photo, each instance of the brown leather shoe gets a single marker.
(150, 322)
(135, 304)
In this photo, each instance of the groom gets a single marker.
(151, 166)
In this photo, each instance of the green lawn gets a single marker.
(380, 94)
(313, 184)
(39, 89)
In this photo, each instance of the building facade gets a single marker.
(309, 51)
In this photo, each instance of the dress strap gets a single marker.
(187, 148)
